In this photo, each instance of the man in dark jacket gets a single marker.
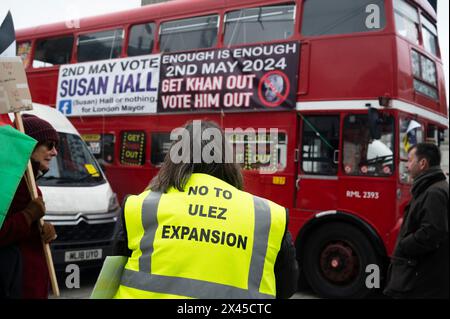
(420, 262)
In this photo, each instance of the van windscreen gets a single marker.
(73, 166)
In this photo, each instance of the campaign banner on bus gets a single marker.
(109, 87)
(260, 77)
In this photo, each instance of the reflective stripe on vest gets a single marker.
(150, 223)
(146, 280)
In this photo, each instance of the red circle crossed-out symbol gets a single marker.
(281, 96)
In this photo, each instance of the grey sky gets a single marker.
(28, 13)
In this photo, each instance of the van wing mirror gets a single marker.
(374, 123)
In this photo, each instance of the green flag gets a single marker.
(15, 151)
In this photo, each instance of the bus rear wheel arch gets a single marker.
(334, 260)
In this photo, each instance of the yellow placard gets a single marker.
(91, 170)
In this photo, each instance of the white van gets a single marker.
(79, 200)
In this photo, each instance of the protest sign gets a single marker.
(14, 92)
(109, 87)
(259, 77)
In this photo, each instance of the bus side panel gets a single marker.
(373, 200)
(330, 78)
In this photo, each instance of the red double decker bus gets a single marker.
(348, 85)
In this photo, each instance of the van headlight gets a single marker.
(113, 203)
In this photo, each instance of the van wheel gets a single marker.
(335, 259)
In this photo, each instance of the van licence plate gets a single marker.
(78, 255)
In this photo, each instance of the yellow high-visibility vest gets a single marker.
(210, 241)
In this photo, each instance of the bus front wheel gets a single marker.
(335, 260)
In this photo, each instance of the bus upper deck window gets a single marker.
(425, 75)
(189, 34)
(429, 34)
(50, 52)
(406, 20)
(141, 39)
(259, 24)
(326, 17)
(100, 45)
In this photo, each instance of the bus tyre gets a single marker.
(335, 260)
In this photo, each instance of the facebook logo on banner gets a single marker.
(65, 107)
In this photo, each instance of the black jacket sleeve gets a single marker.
(286, 267)
(121, 247)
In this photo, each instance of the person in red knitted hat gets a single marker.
(23, 270)
(47, 138)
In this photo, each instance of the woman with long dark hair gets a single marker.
(194, 233)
